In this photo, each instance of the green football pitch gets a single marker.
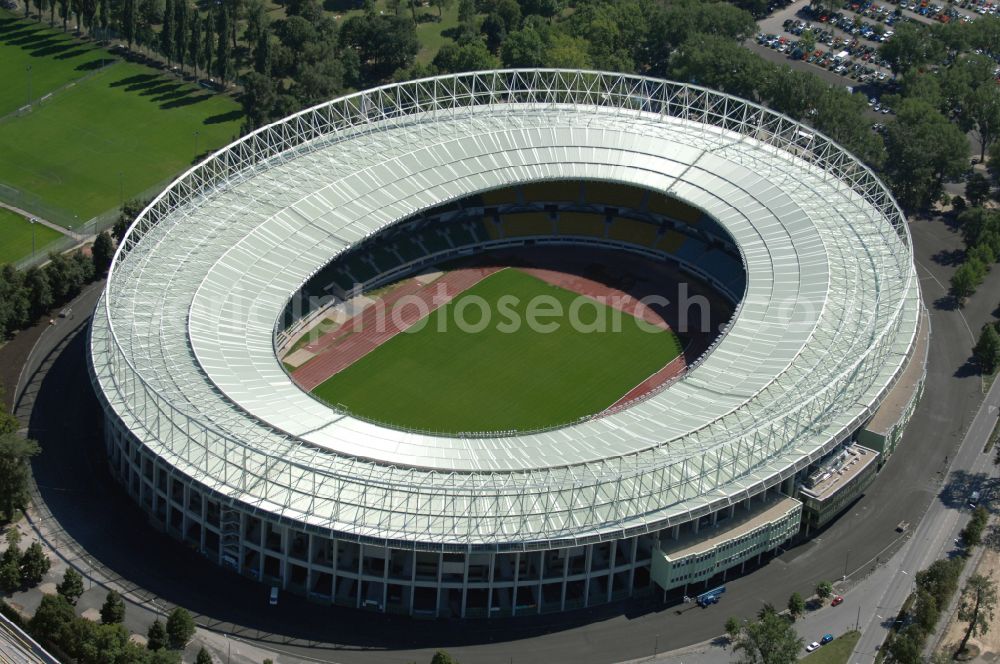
(15, 237)
(116, 132)
(35, 60)
(462, 380)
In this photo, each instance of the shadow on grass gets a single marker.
(74, 54)
(223, 117)
(138, 80)
(186, 100)
(93, 64)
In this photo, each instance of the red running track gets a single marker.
(381, 321)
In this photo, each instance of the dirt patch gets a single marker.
(989, 643)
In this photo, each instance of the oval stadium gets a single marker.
(302, 356)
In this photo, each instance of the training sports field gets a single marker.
(15, 237)
(457, 380)
(104, 134)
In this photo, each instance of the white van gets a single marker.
(273, 601)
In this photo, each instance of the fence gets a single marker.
(35, 205)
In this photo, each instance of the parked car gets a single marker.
(837, 599)
(812, 646)
(826, 639)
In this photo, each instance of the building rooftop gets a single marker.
(183, 344)
(899, 397)
(742, 522)
(838, 473)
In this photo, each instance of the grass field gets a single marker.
(837, 651)
(493, 380)
(117, 132)
(15, 237)
(55, 60)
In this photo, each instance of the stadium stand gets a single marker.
(674, 209)
(527, 224)
(582, 224)
(640, 233)
(613, 195)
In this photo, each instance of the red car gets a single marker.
(836, 600)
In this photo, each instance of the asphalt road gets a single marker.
(89, 511)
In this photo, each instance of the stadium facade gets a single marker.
(207, 432)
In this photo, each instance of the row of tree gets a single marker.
(981, 232)
(27, 295)
(19, 569)
(935, 587)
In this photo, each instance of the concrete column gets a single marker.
(675, 532)
(565, 574)
(588, 561)
(611, 570)
(437, 591)
(631, 571)
(517, 575)
(489, 590)
(465, 583)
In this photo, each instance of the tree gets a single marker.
(471, 56)
(15, 452)
(52, 618)
(987, 350)
(10, 576)
(983, 109)
(71, 586)
(906, 647)
(923, 150)
(113, 609)
(910, 47)
(972, 534)
(208, 43)
(994, 163)
(167, 40)
(925, 611)
(129, 21)
(732, 628)
(824, 590)
(796, 605)
(63, 13)
(203, 657)
(258, 99)
(466, 10)
(965, 280)
(979, 598)
(182, 35)
(769, 640)
(977, 189)
(102, 252)
(156, 636)
(36, 282)
(195, 53)
(442, 657)
(223, 50)
(34, 565)
(441, 6)
(180, 628)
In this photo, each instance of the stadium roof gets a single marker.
(183, 349)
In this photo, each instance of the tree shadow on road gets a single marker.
(949, 257)
(959, 486)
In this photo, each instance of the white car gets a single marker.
(812, 646)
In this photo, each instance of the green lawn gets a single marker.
(120, 131)
(55, 60)
(494, 380)
(15, 237)
(837, 651)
